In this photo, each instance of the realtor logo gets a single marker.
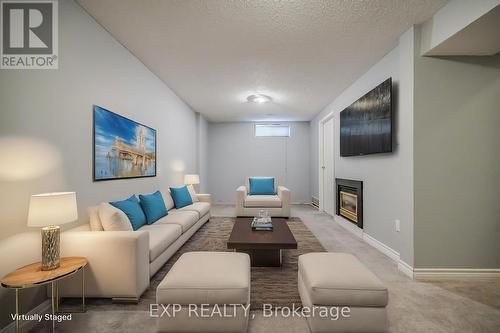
(29, 37)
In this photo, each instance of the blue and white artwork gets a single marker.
(122, 148)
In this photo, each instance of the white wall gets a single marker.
(235, 153)
(54, 108)
(387, 178)
(46, 130)
(442, 180)
(202, 152)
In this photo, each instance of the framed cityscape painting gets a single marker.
(123, 148)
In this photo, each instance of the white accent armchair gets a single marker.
(277, 205)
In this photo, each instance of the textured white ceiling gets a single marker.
(213, 54)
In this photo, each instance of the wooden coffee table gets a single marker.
(264, 247)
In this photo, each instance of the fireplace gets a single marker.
(350, 200)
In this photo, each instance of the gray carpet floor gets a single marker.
(414, 306)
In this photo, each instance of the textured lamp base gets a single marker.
(50, 247)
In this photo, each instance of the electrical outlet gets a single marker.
(397, 224)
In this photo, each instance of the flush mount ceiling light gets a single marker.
(259, 98)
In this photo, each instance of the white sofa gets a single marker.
(277, 205)
(121, 263)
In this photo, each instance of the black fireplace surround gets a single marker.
(354, 187)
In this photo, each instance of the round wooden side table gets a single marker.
(32, 276)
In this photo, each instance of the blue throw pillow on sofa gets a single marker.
(133, 210)
(181, 196)
(261, 186)
(153, 206)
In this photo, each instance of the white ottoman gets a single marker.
(336, 280)
(208, 291)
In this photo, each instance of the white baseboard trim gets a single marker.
(41, 309)
(419, 273)
(388, 251)
(349, 226)
(406, 269)
(403, 267)
(456, 273)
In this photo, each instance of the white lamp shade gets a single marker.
(191, 179)
(52, 209)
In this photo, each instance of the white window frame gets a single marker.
(272, 125)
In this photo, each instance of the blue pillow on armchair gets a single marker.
(153, 206)
(261, 186)
(133, 210)
(181, 196)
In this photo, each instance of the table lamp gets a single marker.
(191, 180)
(48, 210)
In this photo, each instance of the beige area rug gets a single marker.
(271, 285)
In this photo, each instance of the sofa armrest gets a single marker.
(285, 195)
(204, 197)
(118, 263)
(241, 193)
(242, 189)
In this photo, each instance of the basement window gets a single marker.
(272, 130)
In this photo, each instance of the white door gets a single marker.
(327, 167)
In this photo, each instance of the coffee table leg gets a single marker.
(264, 257)
(17, 310)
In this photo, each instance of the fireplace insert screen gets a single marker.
(350, 200)
(349, 205)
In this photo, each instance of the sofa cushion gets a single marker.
(340, 279)
(113, 219)
(192, 193)
(181, 196)
(261, 186)
(186, 219)
(161, 237)
(133, 211)
(202, 278)
(247, 184)
(264, 201)
(94, 220)
(153, 206)
(200, 207)
(167, 198)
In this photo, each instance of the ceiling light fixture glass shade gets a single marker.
(259, 98)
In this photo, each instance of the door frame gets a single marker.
(322, 122)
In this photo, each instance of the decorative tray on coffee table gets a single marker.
(262, 224)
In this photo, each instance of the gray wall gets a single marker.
(46, 131)
(387, 178)
(235, 153)
(457, 162)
